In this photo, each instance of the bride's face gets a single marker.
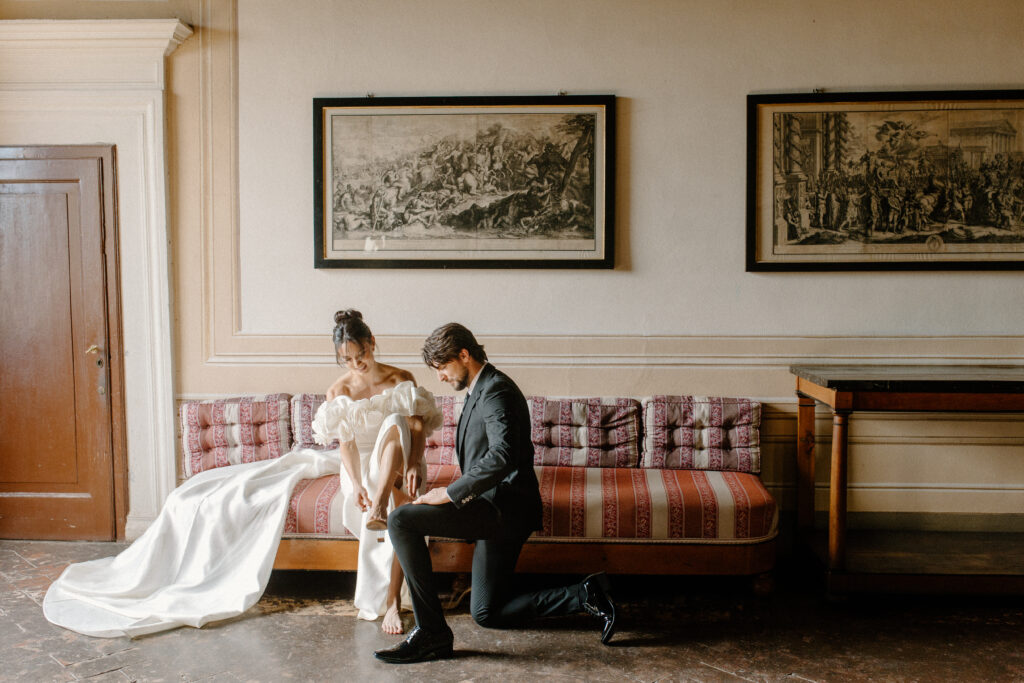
(357, 357)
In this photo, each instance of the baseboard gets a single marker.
(136, 526)
(929, 521)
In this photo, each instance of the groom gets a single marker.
(496, 502)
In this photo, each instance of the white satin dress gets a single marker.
(367, 422)
(209, 553)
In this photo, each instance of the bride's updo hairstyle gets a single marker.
(349, 327)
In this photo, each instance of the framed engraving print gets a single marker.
(886, 181)
(464, 182)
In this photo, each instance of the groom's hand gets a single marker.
(412, 481)
(438, 496)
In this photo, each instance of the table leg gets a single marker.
(805, 462)
(837, 493)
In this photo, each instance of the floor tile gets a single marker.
(671, 629)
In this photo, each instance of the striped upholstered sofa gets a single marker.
(660, 485)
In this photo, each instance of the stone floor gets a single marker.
(682, 629)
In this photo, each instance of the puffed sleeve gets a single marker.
(407, 399)
(342, 418)
(335, 419)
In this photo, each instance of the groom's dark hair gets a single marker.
(445, 343)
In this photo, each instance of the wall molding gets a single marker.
(223, 359)
(86, 55)
(74, 82)
(226, 345)
(724, 352)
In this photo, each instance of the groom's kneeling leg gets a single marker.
(492, 600)
(495, 605)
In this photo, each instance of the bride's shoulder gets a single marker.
(400, 375)
(343, 386)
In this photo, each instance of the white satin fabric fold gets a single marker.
(209, 553)
(207, 556)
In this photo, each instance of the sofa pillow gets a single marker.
(303, 411)
(440, 446)
(440, 449)
(233, 430)
(702, 433)
(585, 432)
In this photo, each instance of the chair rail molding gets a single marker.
(102, 81)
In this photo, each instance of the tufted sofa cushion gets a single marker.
(440, 447)
(594, 432)
(655, 504)
(585, 432)
(303, 410)
(702, 433)
(234, 430)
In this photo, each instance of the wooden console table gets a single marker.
(902, 561)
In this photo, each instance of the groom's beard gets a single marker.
(462, 382)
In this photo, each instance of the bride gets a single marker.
(209, 553)
(381, 419)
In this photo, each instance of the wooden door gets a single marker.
(61, 422)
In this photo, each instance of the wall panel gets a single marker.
(678, 315)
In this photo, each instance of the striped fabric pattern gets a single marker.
(702, 433)
(231, 431)
(315, 506)
(440, 447)
(303, 410)
(655, 504)
(585, 432)
(598, 503)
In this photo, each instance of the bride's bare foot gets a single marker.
(392, 621)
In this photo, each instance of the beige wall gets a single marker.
(679, 314)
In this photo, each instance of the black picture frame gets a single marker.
(871, 181)
(464, 182)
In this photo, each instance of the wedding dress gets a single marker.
(209, 553)
(367, 421)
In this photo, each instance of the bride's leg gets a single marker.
(400, 496)
(392, 622)
(392, 466)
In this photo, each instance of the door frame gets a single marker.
(106, 155)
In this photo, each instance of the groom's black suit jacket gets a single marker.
(496, 454)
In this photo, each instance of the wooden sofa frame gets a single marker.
(556, 557)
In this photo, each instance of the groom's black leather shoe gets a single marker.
(596, 601)
(419, 646)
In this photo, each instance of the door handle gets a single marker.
(101, 387)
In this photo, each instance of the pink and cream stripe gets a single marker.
(655, 505)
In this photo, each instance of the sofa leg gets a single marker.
(763, 584)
